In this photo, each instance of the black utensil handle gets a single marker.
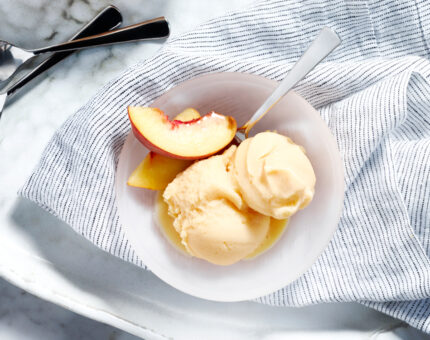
(109, 18)
(151, 29)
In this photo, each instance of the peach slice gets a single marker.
(195, 139)
(155, 172)
(187, 115)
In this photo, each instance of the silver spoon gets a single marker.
(107, 19)
(11, 57)
(326, 41)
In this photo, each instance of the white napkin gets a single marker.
(373, 93)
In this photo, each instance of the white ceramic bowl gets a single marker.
(308, 232)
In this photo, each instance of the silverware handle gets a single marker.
(151, 29)
(109, 18)
(326, 41)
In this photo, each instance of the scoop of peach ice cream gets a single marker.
(212, 219)
(274, 175)
(222, 205)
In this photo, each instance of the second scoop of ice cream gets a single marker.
(274, 175)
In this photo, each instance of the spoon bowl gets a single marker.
(11, 57)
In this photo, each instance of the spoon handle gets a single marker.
(150, 29)
(326, 41)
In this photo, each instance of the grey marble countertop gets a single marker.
(35, 115)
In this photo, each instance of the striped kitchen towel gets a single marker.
(374, 94)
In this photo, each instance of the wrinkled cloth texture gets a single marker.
(374, 94)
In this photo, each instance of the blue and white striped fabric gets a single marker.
(374, 94)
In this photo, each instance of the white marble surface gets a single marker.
(42, 255)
